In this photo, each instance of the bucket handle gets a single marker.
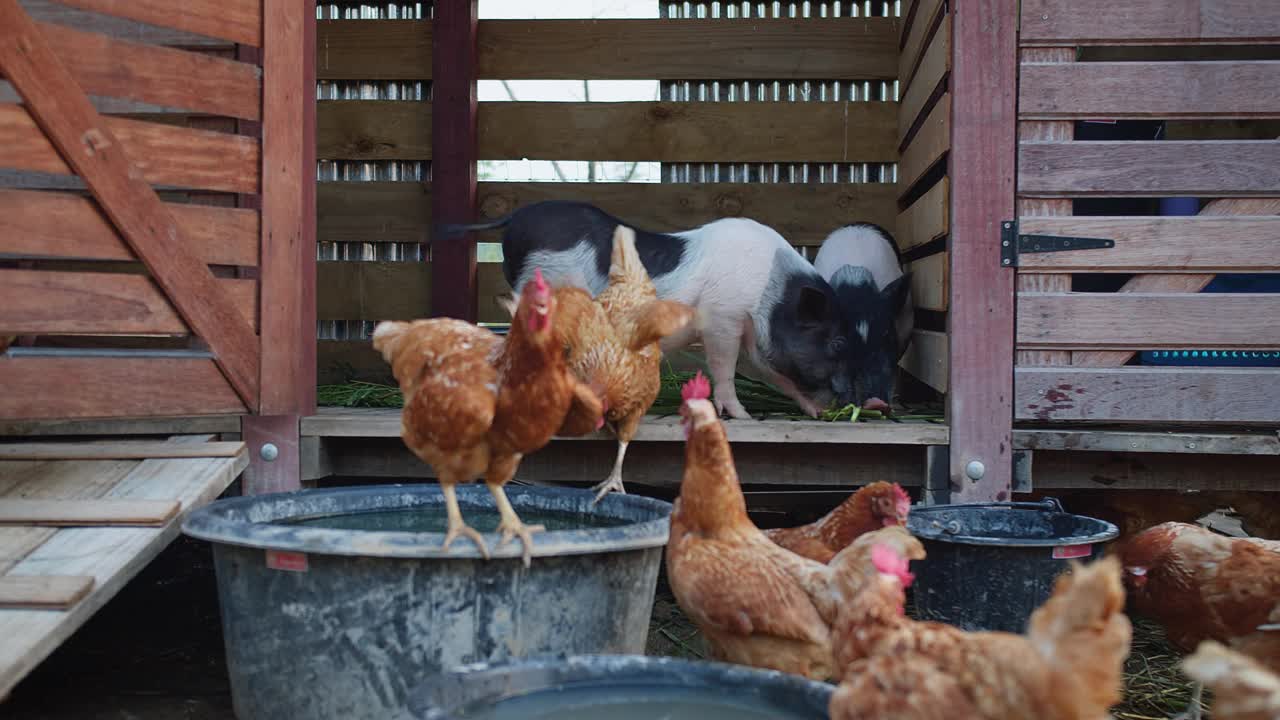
(1049, 503)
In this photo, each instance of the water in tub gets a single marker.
(629, 702)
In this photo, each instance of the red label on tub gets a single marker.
(1065, 552)
(291, 561)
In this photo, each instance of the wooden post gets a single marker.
(288, 247)
(453, 156)
(983, 154)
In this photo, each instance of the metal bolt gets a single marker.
(1008, 225)
(1005, 261)
(1044, 17)
(975, 470)
(269, 452)
(1191, 446)
(1005, 243)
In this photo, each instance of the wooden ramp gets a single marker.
(79, 519)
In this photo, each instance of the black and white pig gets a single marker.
(862, 263)
(760, 307)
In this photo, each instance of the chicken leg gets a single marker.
(500, 472)
(1193, 706)
(456, 525)
(613, 483)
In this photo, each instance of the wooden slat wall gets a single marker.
(1174, 257)
(923, 134)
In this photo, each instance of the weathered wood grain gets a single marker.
(87, 513)
(927, 218)
(1120, 90)
(927, 146)
(237, 21)
(1259, 442)
(168, 77)
(930, 286)
(1196, 244)
(928, 359)
(932, 73)
(164, 155)
(983, 146)
(1104, 22)
(1200, 395)
(50, 303)
(89, 146)
(1147, 321)
(214, 425)
(60, 225)
(1215, 168)
(116, 450)
(689, 132)
(288, 201)
(373, 211)
(36, 388)
(914, 44)
(362, 50)
(123, 27)
(373, 290)
(373, 130)
(48, 592)
(1120, 472)
(862, 48)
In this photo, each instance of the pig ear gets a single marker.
(813, 308)
(895, 293)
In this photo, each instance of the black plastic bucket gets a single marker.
(618, 686)
(337, 603)
(990, 565)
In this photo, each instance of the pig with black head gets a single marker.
(760, 307)
(863, 266)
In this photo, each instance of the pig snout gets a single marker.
(875, 403)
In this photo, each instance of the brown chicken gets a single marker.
(1067, 667)
(476, 404)
(1242, 688)
(874, 506)
(612, 342)
(1204, 586)
(754, 602)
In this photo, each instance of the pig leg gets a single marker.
(721, 346)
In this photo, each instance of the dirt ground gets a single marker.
(155, 653)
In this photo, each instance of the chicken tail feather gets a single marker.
(387, 336)
(656, 320)
(625, 262)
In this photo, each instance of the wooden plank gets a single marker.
(88, 145)
(1159, 244)
(51, 303)
(162, 154)
(927, 218)
(111, 555)
(83, 513)
(49, 592)
(1105, 22)
(217, 425)
(928, 146)
(908, 9)
(373, 290)
(237, 21)
(56, 11)
(983, 146)
(928, 359)
(930, 284)
(863, 48)
(788, 208)
(385, 423)
(339, 361)
(1200, 395)
(116, 450)
(455, 149)
(689, 132)
(1150, 168)
(373, 130)
(283, 472)
(1189, 283)
(373, 211)
(386, 49)
(1106, 440)
(199, 82)
(36, 387)
(490, 283)
(933, 73)
(1146, 321)
(913, 49)
(1120, 90)
(60, 225)
(288, 291)
(1120, 472)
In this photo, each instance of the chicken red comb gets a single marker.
(888, 562)
(699, 388)
(539, 283)
(900, 494)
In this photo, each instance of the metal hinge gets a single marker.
(1013, 244)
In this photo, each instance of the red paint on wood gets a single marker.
(983, 144)
(284, 472)
(453, 157)
(65, 114)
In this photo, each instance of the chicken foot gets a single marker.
(511, 525)
(456, 525)
(613, 483)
